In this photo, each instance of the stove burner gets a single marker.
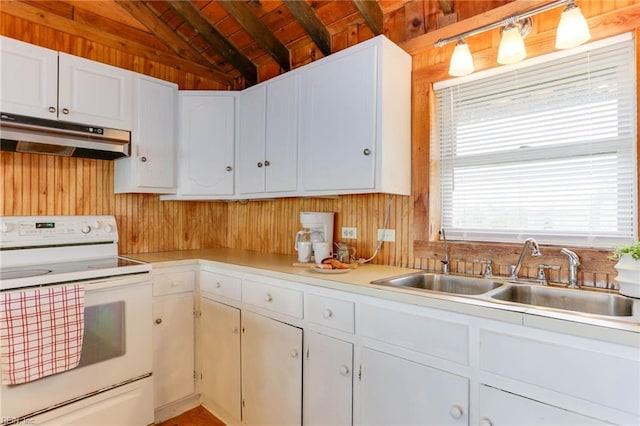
(23, 273)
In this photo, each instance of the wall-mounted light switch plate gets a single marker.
(349, 233)
(387, 235)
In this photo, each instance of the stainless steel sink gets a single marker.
(572, 300)
(441, 283)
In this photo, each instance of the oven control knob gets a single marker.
(4, 227)
(85, 229)
(96, 225)
(108, 229)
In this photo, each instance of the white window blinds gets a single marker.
(545, 150)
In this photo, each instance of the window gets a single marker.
(544, 149)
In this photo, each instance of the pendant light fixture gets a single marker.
(572, 31)
(461, 61)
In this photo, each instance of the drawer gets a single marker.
(278, 299)
(330, 312)
(173, 282)
(440, 338)
(221, 285)
(603, 373)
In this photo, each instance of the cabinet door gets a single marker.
(220, 355)
(339, 123)
(29, 79)
(328, 381)
(151, 166)
(395, 391)
(251, 140)
(173, 348)
(503, 408)
(206, 143)
(282, 135)
(93, 93)
(271, 371)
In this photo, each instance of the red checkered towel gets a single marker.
(40, 332)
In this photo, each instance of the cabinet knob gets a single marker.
(456, 411)
(228, 168)
(366, 151)
(268, 298)
(259, 164)
(158, 320)
(485, 422)
(235, 330)
(65, 110)
(344, 370)
(327, 313)
(218, 284)
(266, 163)
(143, 159)
(52, 109)
(293, 353)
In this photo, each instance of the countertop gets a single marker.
(358, 281)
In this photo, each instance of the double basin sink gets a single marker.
(581, 301)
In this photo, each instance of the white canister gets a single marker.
(321, 251)
(304, 251)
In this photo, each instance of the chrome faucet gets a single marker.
(574, 261)
(535, 252)
(445, 261)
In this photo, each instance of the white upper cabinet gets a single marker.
(94, 93)
(206, 143)
(151, 167)
(268, 138)
(42, 83)
(356, 121)
(29, 79)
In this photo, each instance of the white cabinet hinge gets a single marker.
(197, 314)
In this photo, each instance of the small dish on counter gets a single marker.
(329, 271)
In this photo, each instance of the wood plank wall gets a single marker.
(34, 184)
(430, 64)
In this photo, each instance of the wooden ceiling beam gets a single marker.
(36, 15)
(259, 31)
(163, 32)
(194, 17)
(307, 17)
(372, 14)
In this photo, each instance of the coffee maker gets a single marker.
(316, 226)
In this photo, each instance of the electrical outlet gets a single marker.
(349, 233)
(387, 235)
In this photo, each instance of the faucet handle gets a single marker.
(488, 268)
(542, 276)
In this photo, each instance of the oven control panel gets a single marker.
(30, 231)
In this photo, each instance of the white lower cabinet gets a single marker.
(271, 371)
(173, 336)
(328, 380)
(220, 357)
(498, 407)
(395, 391)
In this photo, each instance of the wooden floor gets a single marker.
(198, 416)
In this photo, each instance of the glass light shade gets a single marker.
(461, 60)
(572, 29)
(511, 49)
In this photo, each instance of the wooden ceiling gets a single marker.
(242, 42)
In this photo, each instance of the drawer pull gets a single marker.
(456, 411)
(327, 313)
(175, 284)
(344, 370)
(485, 422)
(293, 353)
(268, 298)
(158, 320)
(218, 284)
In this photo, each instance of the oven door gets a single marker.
(117, 348)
